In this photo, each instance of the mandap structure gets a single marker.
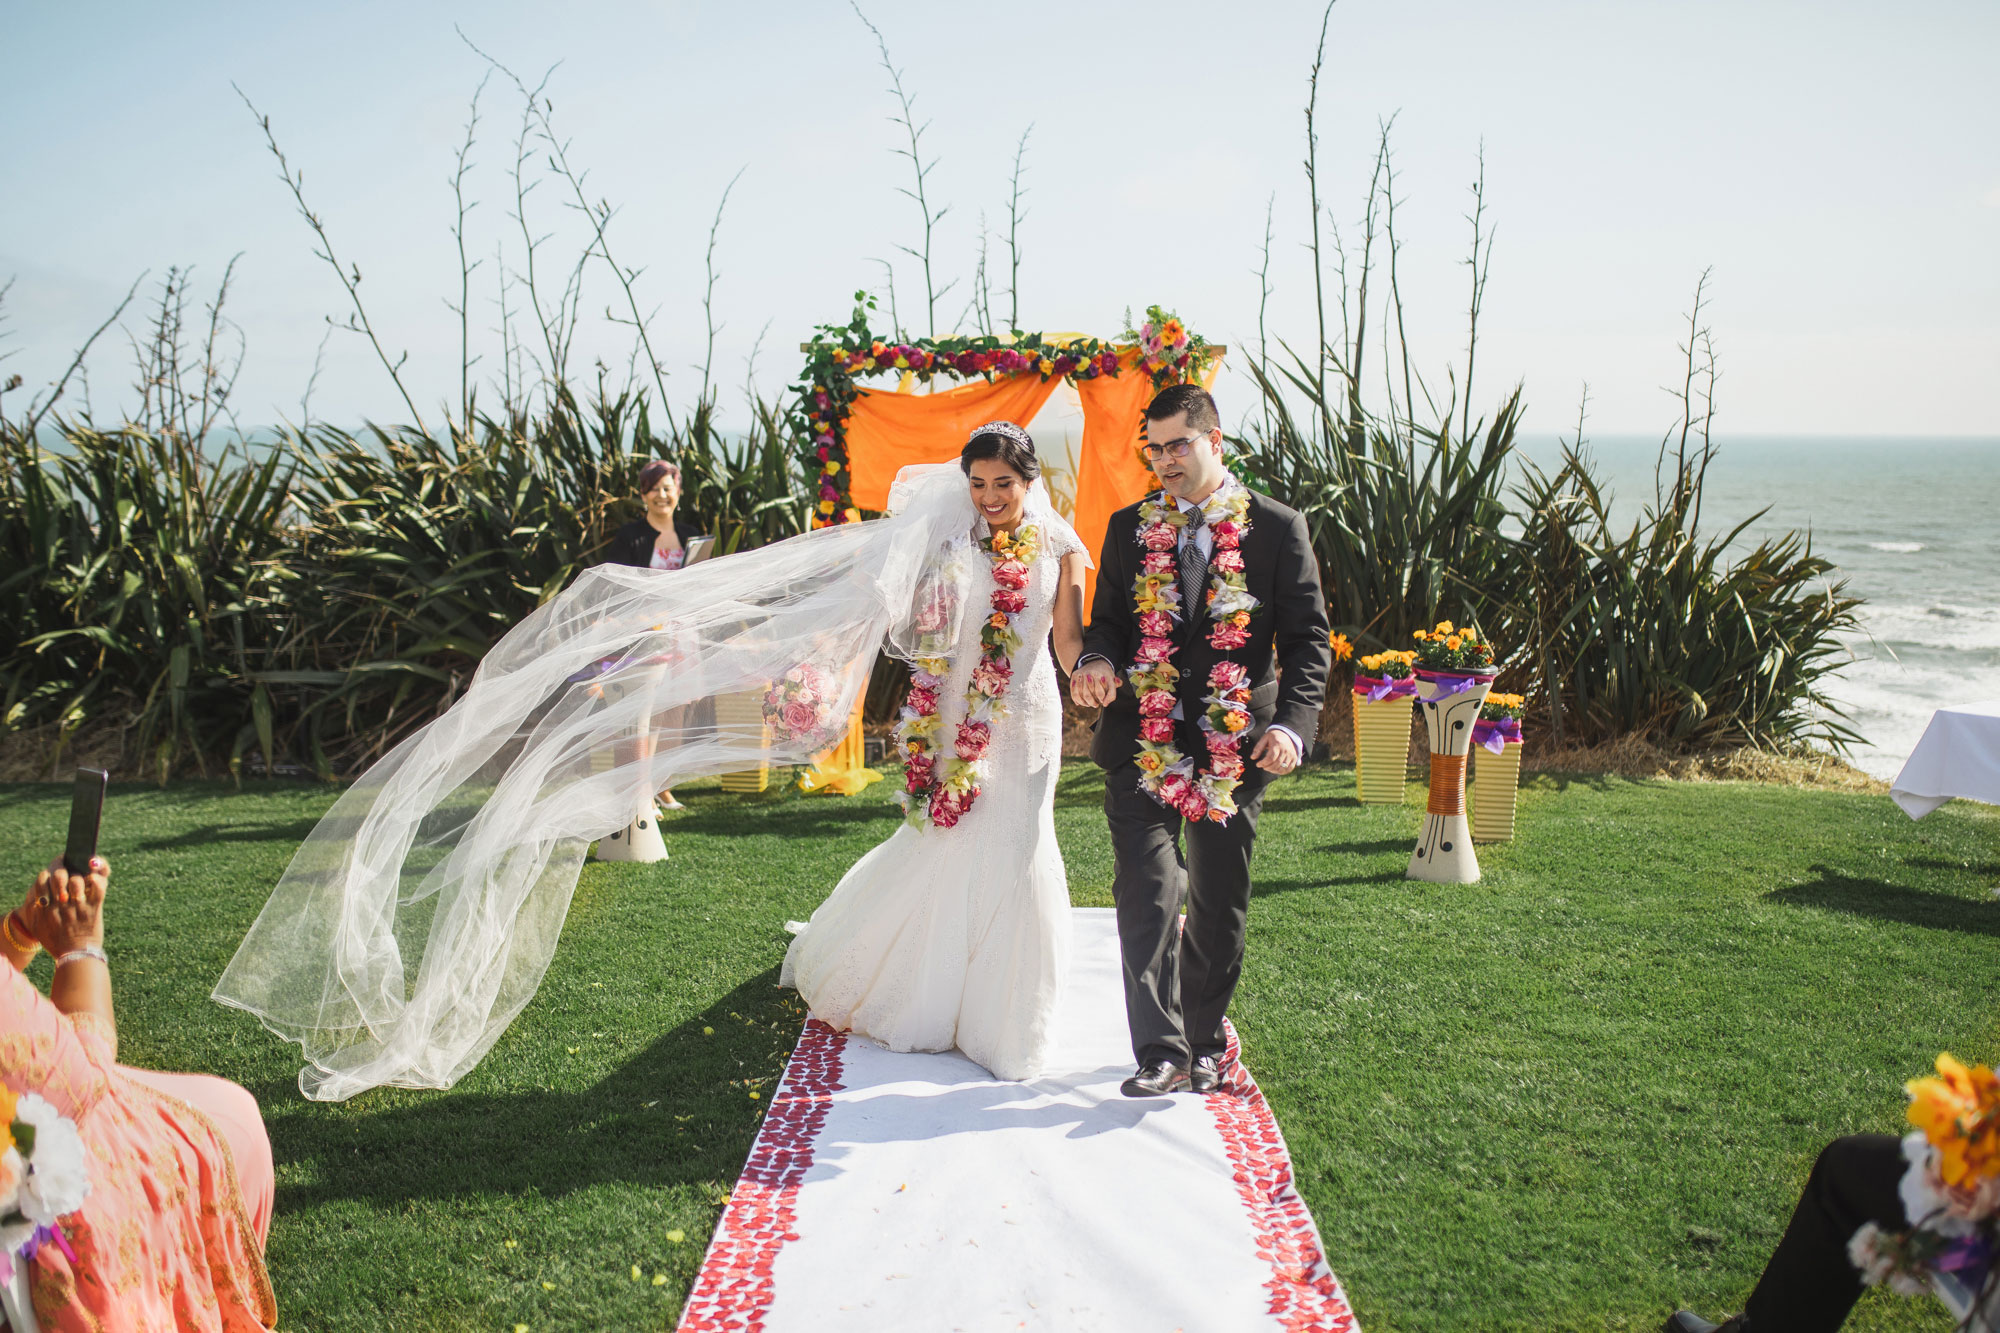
(858, 437)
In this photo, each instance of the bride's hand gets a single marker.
(1094, 684)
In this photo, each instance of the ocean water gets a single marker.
(1913, 526)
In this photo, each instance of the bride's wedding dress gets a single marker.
(959, 936)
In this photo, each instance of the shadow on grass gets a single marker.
(1374, 847)
(1838, 891)
(1988, 870)
(1260, 888)
(210, 834)
(669, 1116)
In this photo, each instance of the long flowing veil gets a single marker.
(418, 917)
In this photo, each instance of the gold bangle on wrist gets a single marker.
(16, 941)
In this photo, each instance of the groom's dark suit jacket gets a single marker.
(1288, 630)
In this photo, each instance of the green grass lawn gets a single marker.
(1568, 1097)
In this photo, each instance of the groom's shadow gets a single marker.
(987, 1105)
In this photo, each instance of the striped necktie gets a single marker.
(1194, 568)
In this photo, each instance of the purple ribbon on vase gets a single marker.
(1387, 687)
(1450, 687)
(1494, 733)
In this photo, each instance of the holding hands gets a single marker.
(1094, 683)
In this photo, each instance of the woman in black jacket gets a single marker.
(659, 540)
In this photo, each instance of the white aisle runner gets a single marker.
(893, 1192)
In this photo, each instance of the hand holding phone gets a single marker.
(86, 813)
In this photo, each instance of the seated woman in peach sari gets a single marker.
(171, 1236)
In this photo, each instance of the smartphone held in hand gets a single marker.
(86, 812)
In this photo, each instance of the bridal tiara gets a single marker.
(1007, 428)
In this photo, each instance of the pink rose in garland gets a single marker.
(1161, 537)
(1229, 561)
(1231, 634)
(1011, 574)
(947, 808)
(1156, 625)
(973, 738)
(1156, 704)
(1010, 601)
(1158, 562)
(1155, 650)
(1159, 730)
(990, 677)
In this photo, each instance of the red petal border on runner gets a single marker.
(1305, 1295)
(734, 1289)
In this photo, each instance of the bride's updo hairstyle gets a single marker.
(1005, 441)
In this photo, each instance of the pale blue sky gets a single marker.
(1837, 164)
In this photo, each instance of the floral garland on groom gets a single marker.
(1166, 774)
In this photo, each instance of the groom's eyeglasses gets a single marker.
(1176, 448)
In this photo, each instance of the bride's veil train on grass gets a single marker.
(419, 916)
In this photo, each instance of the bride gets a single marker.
(955, 931)
(420, 914)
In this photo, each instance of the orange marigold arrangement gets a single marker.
(1446, 647)
(1950, 1189)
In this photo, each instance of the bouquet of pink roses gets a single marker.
(799, 704)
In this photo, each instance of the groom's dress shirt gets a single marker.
(1204, 540)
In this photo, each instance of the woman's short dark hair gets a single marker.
(1016, 452)
(649, 475)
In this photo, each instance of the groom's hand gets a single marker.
(1095, 684)
(1275, 753)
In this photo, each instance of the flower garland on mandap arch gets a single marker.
(840, 356)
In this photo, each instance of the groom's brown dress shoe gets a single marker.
(1206, 1074)
(1155, 1079)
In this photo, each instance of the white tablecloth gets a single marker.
(1958, 756)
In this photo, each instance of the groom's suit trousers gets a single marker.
(1178, 982)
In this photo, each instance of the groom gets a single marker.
(1225, 551)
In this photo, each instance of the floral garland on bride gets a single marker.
(940, 788)
(1165, 774)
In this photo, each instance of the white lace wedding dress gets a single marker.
(959, 937)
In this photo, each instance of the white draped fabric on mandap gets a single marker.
(418, 917)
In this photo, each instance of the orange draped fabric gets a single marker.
(887, 431)
(1110, 471)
